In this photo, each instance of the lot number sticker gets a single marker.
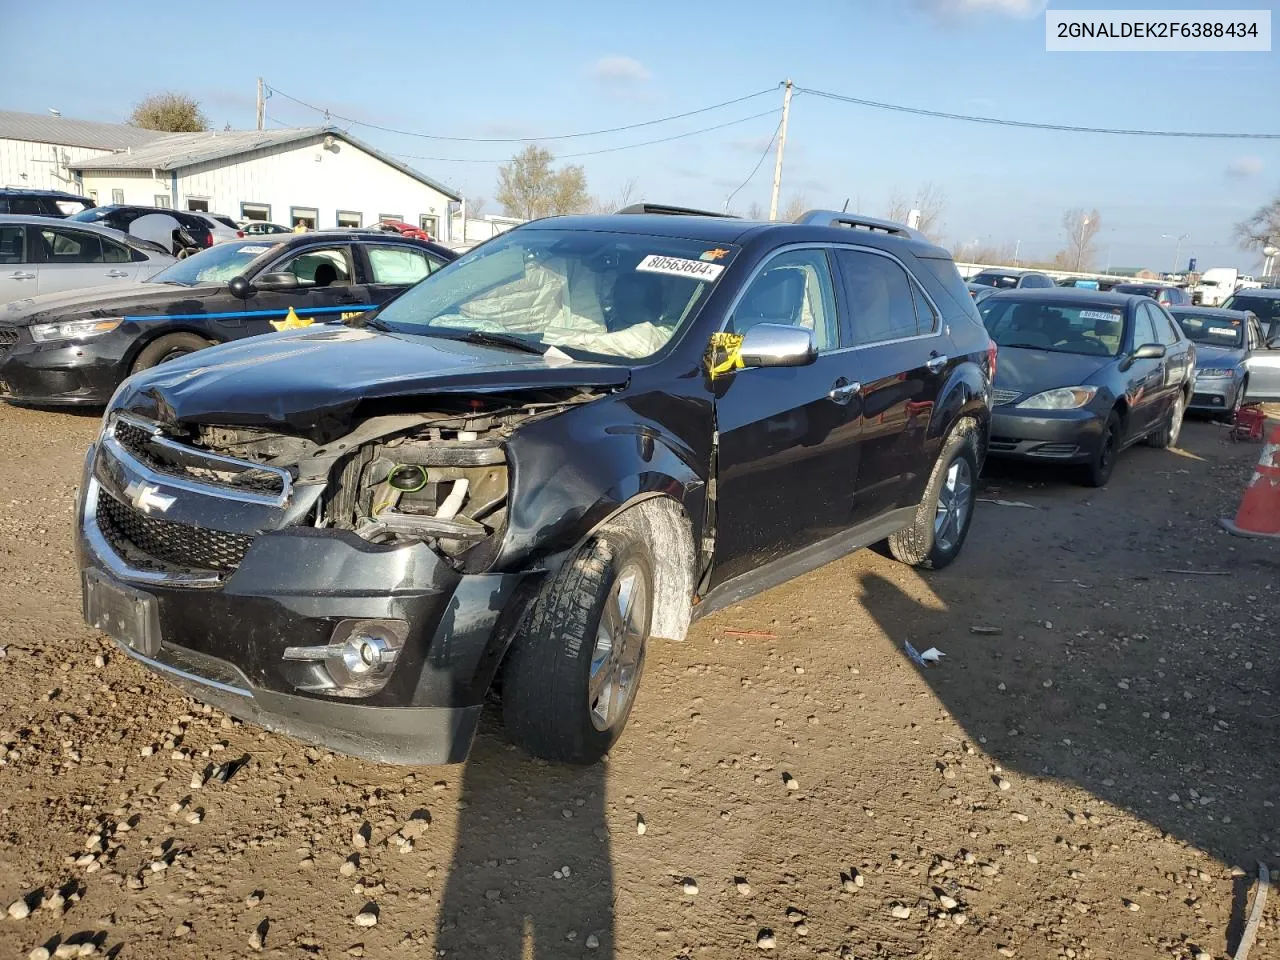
(680, 267)
(1098, 315)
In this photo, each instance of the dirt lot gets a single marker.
(1077, 781)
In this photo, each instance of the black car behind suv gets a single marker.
(182, 233)
(75, 347)
(42, 203)
(575, 437)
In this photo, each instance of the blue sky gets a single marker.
(507, 69)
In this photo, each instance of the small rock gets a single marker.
(182, 929)
(366, 918)
(1135, 907)
(640, 825)
(39, 953)
(743, 888)
(99, 661)
(899, 912)
(349, 867)
(194, 817)
(1032, 858)
(253, 899)
(19, 910)
(593, 942)
(959, 919)
(690, 887)
(1003, 784)
(790, 782)
(66, 950)
(255, 940)
(947, 903)
(802, 929)
(765, 940)
(1005, 951)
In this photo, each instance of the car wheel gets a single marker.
(166, 348)
(571, 678)
(1097, 471)
(934, 538)
(1229, 416)
(1167, 435)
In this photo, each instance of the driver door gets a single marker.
(788, 449)
(1263, 364)
(326, 289)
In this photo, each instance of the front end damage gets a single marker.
(340, 587)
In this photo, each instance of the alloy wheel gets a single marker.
(955, 500)
(618, 656)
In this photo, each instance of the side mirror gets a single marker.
(1150, 351)
(239, 287)
(277, 281)
(778, 345)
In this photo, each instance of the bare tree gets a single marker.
(1081, 227)
(755, 211)
(797, 205)
(899, 207)
(528, 187)
(169, 112)
(1262, 229)
(623, 199)
(929, 198)
(475, 207)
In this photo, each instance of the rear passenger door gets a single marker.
(1177, 359)
(899, 358)
(76, 259)
(17, 272)
(1145, 378)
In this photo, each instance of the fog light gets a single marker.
(358, 660)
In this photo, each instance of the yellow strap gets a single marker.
(731, 344)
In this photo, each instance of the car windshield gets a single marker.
(1267, 309)
(1095, 330)
(1005, 281)
(216, 265)
(601, 295)
(1212, 330)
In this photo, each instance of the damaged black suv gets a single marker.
(578, 436)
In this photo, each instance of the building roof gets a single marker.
(177, 150)
(40, 128)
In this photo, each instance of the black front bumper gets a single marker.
(1067, 436)
(221, 637)
(65, 372)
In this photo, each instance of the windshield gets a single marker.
(608, 295)
(1004, 281)
(1060, 327)
(1213, 330)
(216, 265)
(1267, 309)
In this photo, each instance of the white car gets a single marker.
(222, 228)
(41, 255)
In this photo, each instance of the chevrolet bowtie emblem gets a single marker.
(147, 497)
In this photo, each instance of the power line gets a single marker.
(592, 153)
(1027, 124)
(756, 168)
(561, 136)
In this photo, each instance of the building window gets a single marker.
(162, 200)
(255, 211)
(93, 195)
(198, 204)
(430, 223)
(306, 217)
(349, 218)
(384, 217)
(117, 195)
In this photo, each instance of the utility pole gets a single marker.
(1084, 222)
(782, 142)
(1017, 248)
(262, 104)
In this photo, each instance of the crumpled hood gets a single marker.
(114, 300)
(314, 378)
(1031, 371)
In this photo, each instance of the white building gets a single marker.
(38, 151)
(318, 176)
(469, 230)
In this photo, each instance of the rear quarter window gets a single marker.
(942, 280)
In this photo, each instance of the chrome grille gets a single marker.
(1001, 397)
(162, 544)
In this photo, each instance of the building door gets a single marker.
(431, 224)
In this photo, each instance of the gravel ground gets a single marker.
(1090, 772)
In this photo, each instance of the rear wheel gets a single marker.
(934, 538)
(1167, 435)
(1097, 472)
(166, 348)
(573, 672)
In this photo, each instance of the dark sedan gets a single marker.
(1161, 293)
(76, 348)
(1011, 279)
(1082, 375)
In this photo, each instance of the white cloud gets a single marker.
(950, 9)
(1244, 167)
(619, 71)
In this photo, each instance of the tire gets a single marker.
(934, 538)
(166, 348)
(1229, 416)
(1098, 471)
(1167, 435)
(568, 685)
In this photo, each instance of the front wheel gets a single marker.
(934, 538)
(1167, 435)
(166, 348)
(1097, 471)
(572, 675)
(1229, 416)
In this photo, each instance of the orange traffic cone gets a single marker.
(1259, 513)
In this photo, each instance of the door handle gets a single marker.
(843, 391)
(117, 274)
(936, 363)
(22, 275)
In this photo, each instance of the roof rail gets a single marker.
(668, 210)
(856, 221)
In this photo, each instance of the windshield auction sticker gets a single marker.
(1148, 31)
(680, 267)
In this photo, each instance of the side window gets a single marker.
(27, 205)
(879, 294)
(391, 264)
(113, 252)
(793, 289)
(1251, 334)
(326, 267)
(926, 317)
(1143, 331)
(1165, 327)
(70, 246)
(13, 244)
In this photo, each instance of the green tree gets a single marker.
(169, 112)
(528, 186)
